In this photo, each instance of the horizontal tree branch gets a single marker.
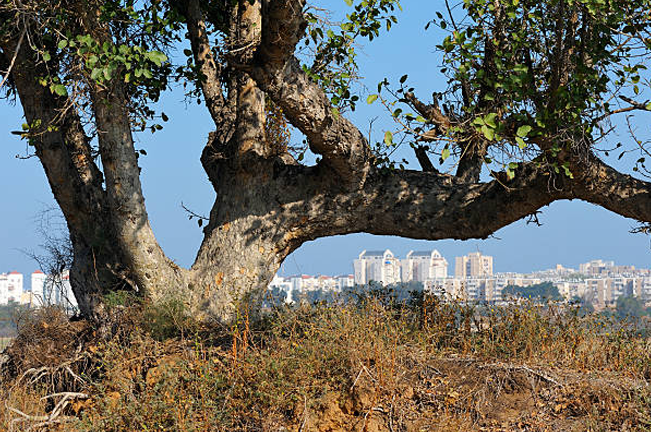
(621, 193)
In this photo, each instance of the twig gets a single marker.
(356, 379)
(13, 60)
(193, 214)
(300, 429)
(26, 416)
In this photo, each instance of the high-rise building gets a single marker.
(422, 266)
(473, 265)
(378, 266)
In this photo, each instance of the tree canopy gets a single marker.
(533, 88)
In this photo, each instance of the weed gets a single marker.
(376, 363)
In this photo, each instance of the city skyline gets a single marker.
(498, 265)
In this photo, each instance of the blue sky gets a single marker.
(572, 232)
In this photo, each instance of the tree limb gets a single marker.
(604, 186)
(211, 84)
(423, 159)
(433, 206)
(276, 71)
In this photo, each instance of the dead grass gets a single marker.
(370, 366)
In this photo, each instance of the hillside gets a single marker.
(370, 366)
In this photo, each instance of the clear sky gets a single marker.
(572, 232)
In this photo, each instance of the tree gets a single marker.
(629, 307)
(532, 86)
(544, 291)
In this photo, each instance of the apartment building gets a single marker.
(378, 266)
(423, 266)
(295, 286)
(473, 265)
(11, 287)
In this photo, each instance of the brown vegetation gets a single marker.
(370, 366)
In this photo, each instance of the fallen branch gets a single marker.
(543, 376)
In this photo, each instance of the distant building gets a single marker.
(378, 266)
(11, 287)
(422, 266)
(604, 268)
(55, 291)
(38, 285)
(473, 265)
(295, 286)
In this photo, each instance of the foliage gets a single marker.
(334, 63)
(585, 307)
(527, 75)
(126, 49)
(630, 307)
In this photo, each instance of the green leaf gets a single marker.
(349, 2)
(157, 57)
(46, 56)
(523, 131)
(95, 74)
(521, 143)
(490, 120)
(445, 153)
(60, 90)
(648, 106)
(63, 43)
(372, 98)
(388, 138)
(488, 132)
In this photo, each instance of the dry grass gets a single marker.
(370, 366)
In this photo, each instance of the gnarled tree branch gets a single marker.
(307, 107)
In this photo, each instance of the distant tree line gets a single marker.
(544, 291)
(8, 318)
(398, 292)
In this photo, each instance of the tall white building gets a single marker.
(378, 266)
(38, 286)
(11, 287)
(422, 266)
